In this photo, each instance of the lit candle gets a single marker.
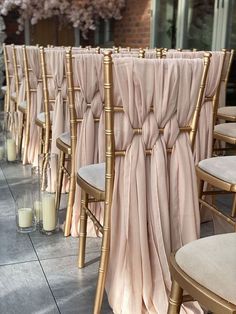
(1, 152)
(11, 150)
(49, 212)
(38, 210)
(25, 217)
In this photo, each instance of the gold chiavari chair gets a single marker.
(206, 270)
(225, 132)
(14, 96)
(97, 180)
(66, 143)
(44, 119)
(6, 88)
(227, 113)
(10, 78)
(218, 172)
(29, 107)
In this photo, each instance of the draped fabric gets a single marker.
(36, 103)
(155, 204)
(12, 83)
(21, 94)
(203, 143)
(57, 90)
(222, 96)
(88, 74)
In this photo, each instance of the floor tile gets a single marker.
(7, 204)
(73, 288)
(26, 291)
(57, 245)
(15, 247)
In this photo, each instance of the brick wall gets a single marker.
(134, 28)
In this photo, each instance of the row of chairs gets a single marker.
(142, 114)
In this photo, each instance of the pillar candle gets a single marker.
(11, 150)
(49, 212)
(25, 217)
(38, 210)
(1, 152)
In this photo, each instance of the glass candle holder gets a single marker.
(12, 137)
(25, 213)
(35, 188)
(49, 218)
(3, 128)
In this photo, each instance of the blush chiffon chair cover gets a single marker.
(36, 103)
(88, 74)
(203, 143)
(57, 92)
(155, 203)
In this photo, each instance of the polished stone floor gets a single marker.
(38, 273)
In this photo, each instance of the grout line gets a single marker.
(17, 263)
(45, 275)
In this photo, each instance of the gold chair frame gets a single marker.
(218, 136)
(181, 281)
(227, 117)
(69, 150)
(45, 127)
(8, 78)
(110, 155)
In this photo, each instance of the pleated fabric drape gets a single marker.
(57, 90)
(155, 204)
(88, 73)
(36, 103)
(203, 143)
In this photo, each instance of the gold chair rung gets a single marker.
(94, 220)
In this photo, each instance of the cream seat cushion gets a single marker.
(41, 116)
(228, 111)
(23, 105)
(211, 262)
(223, 167)
(65, 138)
(228, 129)
(94, 175)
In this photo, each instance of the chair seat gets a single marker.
(41, 118)
(65, 138)
(23, 106)
(63, 143)
(94, 175)
(211, 262)
(226, 129)
(223, 167)
(4, 89)
(229, 113)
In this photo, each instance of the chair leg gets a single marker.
(102, 271)
(71, 199)
(234, 206)
(60, 178)
(175, 300)
(83, 229)
(200, 187)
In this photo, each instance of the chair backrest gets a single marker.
(204, 137)
(151, 204)
(10, 77)
(34, 98)
(55, 93)
(225, 76)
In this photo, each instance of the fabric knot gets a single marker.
(150, 132)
